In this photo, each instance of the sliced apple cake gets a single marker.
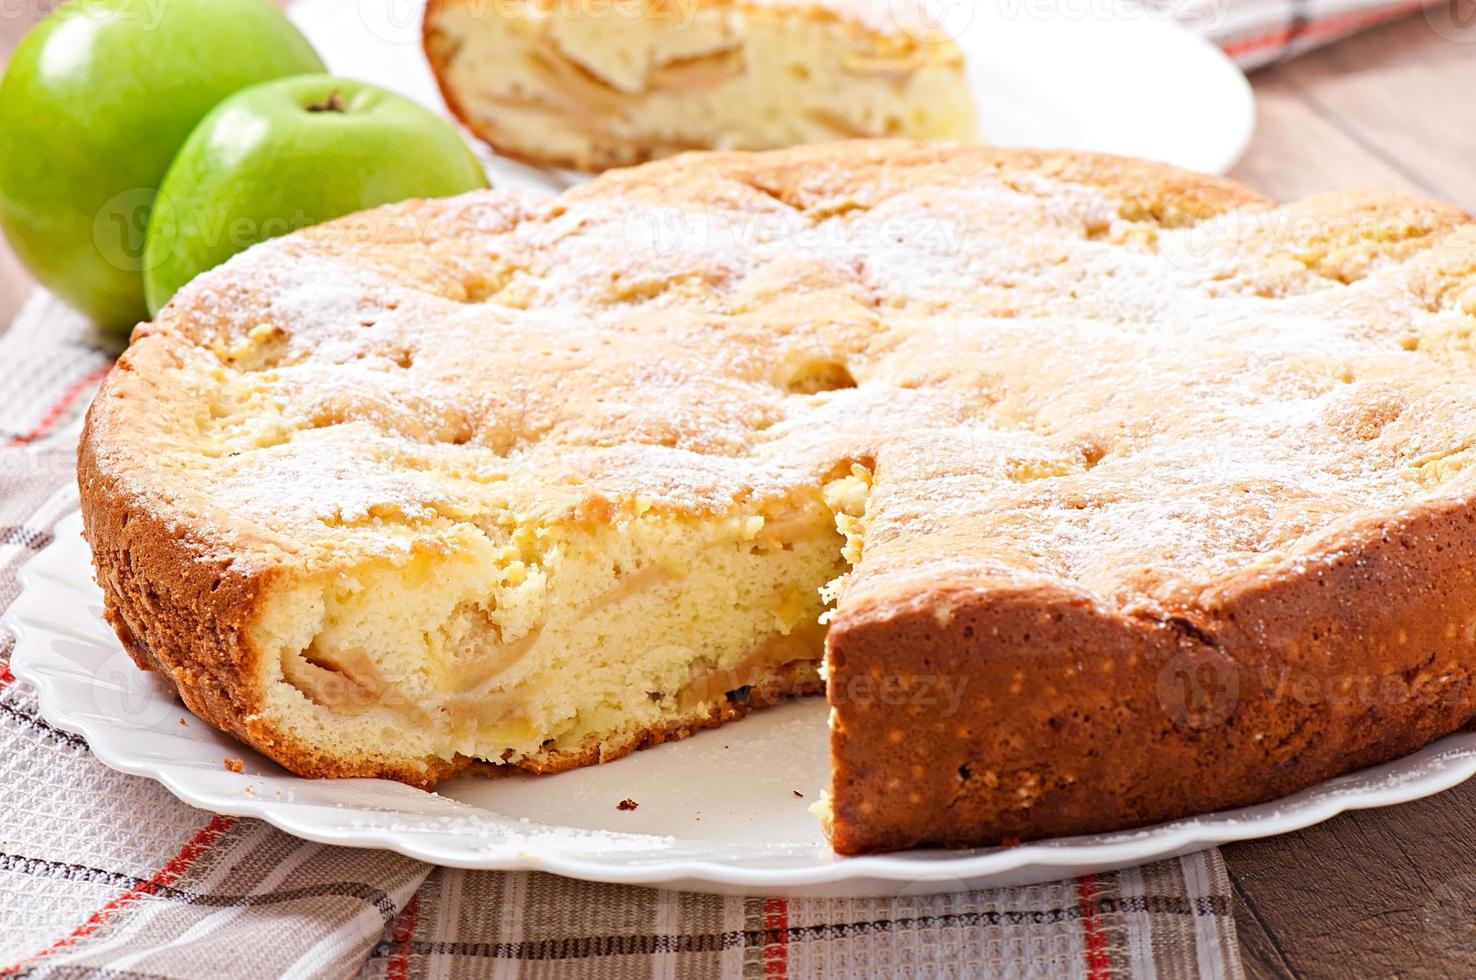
(1105, 493)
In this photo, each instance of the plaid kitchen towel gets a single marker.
(1261, 32)
(107, 874)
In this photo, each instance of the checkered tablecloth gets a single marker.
(104, 874)
(1260, 32)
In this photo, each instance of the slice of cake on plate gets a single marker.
(614, 82)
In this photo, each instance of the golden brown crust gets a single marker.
(189, 617)
(1074, 719)
(1056, 697)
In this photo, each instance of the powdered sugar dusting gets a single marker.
(1115, 383)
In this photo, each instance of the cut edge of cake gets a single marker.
(502, 640)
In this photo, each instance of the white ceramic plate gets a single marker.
(717, 812)
(1103, 76)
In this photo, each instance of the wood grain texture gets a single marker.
(1387, 892)
(1391, 892)
(1380, 893)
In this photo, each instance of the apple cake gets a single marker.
(606, 83)
(1094, 493)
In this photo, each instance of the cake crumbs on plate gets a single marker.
(627, 805)
(235, 765)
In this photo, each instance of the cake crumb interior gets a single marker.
(537, 644)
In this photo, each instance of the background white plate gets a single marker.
(717, 812)
(1103, 76)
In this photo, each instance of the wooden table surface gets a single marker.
(1388, 892)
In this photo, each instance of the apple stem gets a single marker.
(334, 103)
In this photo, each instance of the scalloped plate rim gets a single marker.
(1433, 769)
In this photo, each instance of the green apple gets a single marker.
(94, 105)
(291, 153)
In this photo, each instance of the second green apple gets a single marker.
(289, 154)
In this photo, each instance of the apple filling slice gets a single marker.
(562, 84)
(552, 646)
